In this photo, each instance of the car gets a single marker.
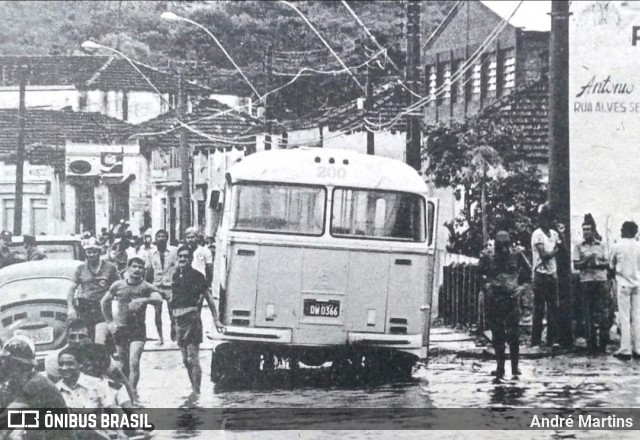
(63, 247)
(33, 301)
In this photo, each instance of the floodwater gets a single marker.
(568, 381)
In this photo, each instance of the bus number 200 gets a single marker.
(332, 172)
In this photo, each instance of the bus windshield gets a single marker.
(362, 213)
(278, 208)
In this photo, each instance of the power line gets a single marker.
(373, 38)
(454, 78)
(306, 20)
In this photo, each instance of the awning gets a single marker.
(118, 179)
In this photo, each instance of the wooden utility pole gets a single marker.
(268, 67)
(185, 157)
(19, 195)
(368, 107)
(559, 178)
(412, 82)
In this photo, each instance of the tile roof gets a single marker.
(47, 131)
(90, 72)
(388, 103)
(118, 74)
(212, 125)
(527, 108)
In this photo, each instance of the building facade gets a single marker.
(80, 173)
(218, 136)
(107, 85)
(475, 58)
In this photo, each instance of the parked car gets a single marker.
(63, 247)
(33, 301)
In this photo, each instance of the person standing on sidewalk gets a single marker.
(590, 259)
(625, 260)
(545, 243)
(503, 271)
(190, 289)
(161, 263)
(202, 257)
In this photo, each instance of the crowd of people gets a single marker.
(505, 271)
(99, 367)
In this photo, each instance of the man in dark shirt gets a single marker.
(502, 272)
(22, 388)
(189, 289)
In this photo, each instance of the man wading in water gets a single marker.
(189, 290)
(127, 322)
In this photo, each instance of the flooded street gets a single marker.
(447, 382)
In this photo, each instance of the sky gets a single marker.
(531, 15)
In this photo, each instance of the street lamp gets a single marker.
(185, 153)
(170, 16)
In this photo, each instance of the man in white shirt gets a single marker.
(625, 260)
(202, 257)
(161, 262)
(78, 389)
(544, 246)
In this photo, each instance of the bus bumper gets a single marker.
(271, 335)
(408, 343)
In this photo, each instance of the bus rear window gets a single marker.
(377, 214)
(276, 208)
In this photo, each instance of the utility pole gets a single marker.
(185, 157)
(559, 178)
(17, 209)
(412, 81)
(268, 67)
(368, 107)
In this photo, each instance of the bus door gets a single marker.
(432, 262)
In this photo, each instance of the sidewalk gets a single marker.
(448, 341)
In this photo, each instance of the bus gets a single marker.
(323, 255)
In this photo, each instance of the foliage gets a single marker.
(245, 29)
(482, 152)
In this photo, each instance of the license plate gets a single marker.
(314, 307)
(38, 336)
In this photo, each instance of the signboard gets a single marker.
(82, 166)
(111, 163)
(604, 114)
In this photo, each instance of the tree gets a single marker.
(245, 29)
(482, 161)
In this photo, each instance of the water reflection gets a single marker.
(316, 378)
(507, 395)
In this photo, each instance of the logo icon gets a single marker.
(27, 418)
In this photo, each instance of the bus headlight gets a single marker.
(270, 314)
(371, 317)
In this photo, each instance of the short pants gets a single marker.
(129, 334)
(187, 329)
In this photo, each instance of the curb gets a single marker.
(487, 353)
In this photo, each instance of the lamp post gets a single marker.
(171, 17)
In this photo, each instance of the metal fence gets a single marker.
(460, 303)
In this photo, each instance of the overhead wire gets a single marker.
(306, 20)
(454, 78)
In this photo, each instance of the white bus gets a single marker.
(323, 255)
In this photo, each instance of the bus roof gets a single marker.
(337, 167)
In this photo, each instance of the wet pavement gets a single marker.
(447, 381)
